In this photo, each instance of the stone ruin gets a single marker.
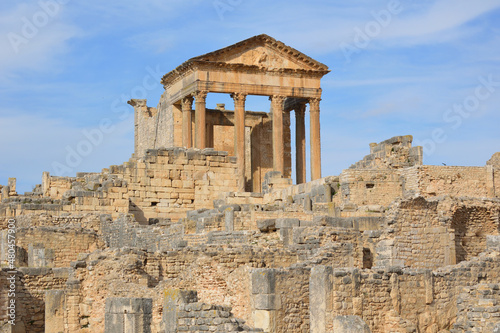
(203, 229)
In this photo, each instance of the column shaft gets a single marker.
(300, 144)
(278, 151)
(200, 120)
(239, 137)
(315, 138)
(187, 105)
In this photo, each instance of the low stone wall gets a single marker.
(394, 298)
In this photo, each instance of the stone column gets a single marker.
(278, 152)
(315, 138)
(239, 137)
(300, 144)
(200, 122)
(187, 106)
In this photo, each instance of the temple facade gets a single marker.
(260, 141)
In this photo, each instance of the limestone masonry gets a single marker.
(203, 230)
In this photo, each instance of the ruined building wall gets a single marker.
(394, 299)
(166, 183)
(478, 309)
(369, 187)
(164, 129)
(31, 284)
(394, 153)
(56, 247)
(421, 239)
(443, 231)
(457, 181)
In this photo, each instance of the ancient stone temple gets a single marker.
(260, 66)
(201, 230)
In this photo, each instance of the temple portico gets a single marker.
(259, 66)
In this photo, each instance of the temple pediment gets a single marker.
(261, 52)
(264, 52)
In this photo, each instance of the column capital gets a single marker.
(278, 99)
(314, 104)
(187, 103)
(300, 109)
(200, 95)
(239, 98)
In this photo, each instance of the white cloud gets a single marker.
(32, 36)
(441, 16)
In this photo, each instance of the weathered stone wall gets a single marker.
(441, 231)
(166, 183)
(394, 153)
(56, 247)
(433, 180)
(402, 300)
(183, 312)
(478, 309)
(369, 187)
(152, 126)
(292, 291)
(31, 284)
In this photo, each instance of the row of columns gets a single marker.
(277, 107)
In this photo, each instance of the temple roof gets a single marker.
(260, 52)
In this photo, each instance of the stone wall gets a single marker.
(478, 309)
(56, 247)
(183, 312)
(31, 284)
(431, 233)
(166, 183)
(369, 187)
(433, 180)
(394, 153)
(398, 300)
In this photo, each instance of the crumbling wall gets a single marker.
(434, 180)
(56, 247)
(431, 233)
(31, 284)
(420, 238)
(369, 187)
(478, 309)
(400, 300)
(394, 153)
(148, 123)
(471, 225)
(166, 183)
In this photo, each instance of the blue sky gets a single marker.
(67, 67)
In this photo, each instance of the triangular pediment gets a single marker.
(264, 52)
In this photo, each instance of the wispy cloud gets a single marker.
(32, 38)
